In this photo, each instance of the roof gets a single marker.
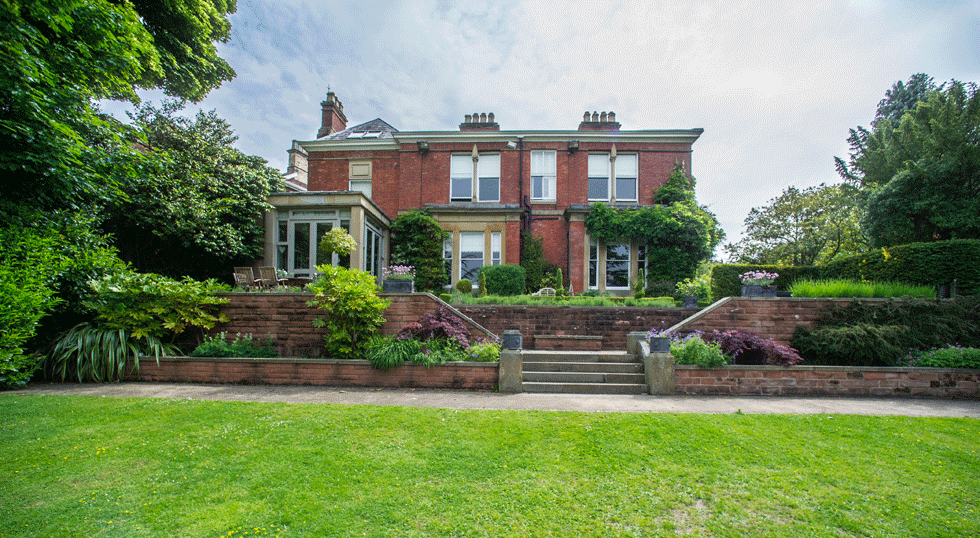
(374, 129)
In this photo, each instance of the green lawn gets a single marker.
(88, 466)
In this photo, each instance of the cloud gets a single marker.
(775, 85)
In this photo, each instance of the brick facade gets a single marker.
(411, 170)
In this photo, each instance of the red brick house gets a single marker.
(484, 185)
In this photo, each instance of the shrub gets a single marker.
(691, 349)
(532, 260)
(417, 240)
(242, 346)
(147, 304)
(484, 352)
(353, 310)
(28, 267)
(95, 352)
(136, 314)
(503, 279)
(464, 285)
(439, 325)
(948, 357)
(338, 241)
(749, 348)
(853, 345)
(482, 278)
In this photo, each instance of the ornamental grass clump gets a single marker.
(853, 288)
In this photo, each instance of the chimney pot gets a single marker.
(595, 116)
(490, 117)
(483, 117)
(602, 117)
(587, 116)
(468, 118)
(612, 116)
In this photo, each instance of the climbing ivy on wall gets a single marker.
(678, 236)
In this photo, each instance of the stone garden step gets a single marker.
(585, 388)
(578, 356)
(583, 377)
(612, 367)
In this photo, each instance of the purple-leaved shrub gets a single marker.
(750, 348)
(439, 325)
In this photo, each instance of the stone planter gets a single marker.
(689, 301)
(751, 290)
(398, 286)
(660, 344)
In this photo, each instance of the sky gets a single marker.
(775, 85)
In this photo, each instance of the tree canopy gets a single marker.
(195, 211)
(57, 57)
(921, 175)
(802, 227)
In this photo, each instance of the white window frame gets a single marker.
(596, 261)
(543, 165)
(464, 239)
(462, 172)
(626, 167)
(359, 174)
(598, 173)
(286, 248)
(460, 175)
(496, 254)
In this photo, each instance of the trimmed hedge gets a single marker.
(504, 279)
(725, 281)
(935, 264)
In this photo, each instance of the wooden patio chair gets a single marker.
(245, 278)
(269, 279)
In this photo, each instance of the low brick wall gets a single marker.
(827, 381)
(612, 323)
(327, 372)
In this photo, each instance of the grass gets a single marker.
(579, 300)
(87, 466)
(851, 288)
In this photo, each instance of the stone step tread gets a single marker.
(586, 356)
(583, 377)
(585, 388)
(612, 367)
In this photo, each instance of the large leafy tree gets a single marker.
(58, 57)
(802, 227)
(196, 213)
(921, 176)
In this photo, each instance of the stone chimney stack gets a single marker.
(333, 118)
(479, 122)
(599, 121)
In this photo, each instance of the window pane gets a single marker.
(495, 248)
(593, 264)
(283, 231)
(489, 189)
(617, 266)
(598, 188)
(598, 165)
(362, 186)
(537, 187)
(462, 188)
(321, 229)
(461, 177)
(626, 166)
(625, 188)
(301, 239)
(488, 166)
(447, 256)
(470, 255)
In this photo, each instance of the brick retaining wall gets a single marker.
(328, 372)
(286, 318)
(827, 381)
(772, 318)
(612, 323)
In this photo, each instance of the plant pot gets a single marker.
(689, 301)
(398, 286)
(752, 290)
(660, 344)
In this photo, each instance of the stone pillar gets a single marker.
(511, 372)
(658, 368)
